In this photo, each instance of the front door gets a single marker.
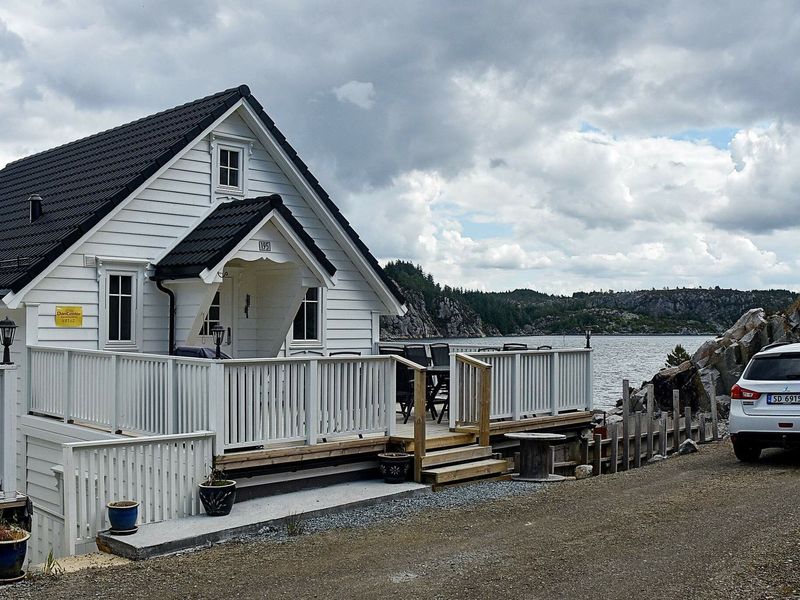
(221, 311)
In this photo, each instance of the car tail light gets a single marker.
(740, 393)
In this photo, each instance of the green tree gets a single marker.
(678, 356)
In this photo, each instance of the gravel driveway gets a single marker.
(701, 526)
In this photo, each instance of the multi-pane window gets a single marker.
(229, 168)
(212, 316)
(120, 308)
(306, 322)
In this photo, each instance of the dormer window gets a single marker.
(230, 157)
(230, 167)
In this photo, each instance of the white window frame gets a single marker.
(319, 342)
(136, 272)
(244, 147)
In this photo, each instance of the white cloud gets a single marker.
(360, 93)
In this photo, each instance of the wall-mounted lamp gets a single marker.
(247, 306)
(7, 329)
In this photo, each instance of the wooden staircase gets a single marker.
(461, 464)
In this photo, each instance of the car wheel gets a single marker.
(746, 452)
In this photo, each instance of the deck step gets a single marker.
(456, 455)
(470, 470)
(439, 487)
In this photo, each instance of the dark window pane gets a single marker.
(311, 322)
(125, 319)
(297, 329)
(233, 178)
(113, 319)
(312, 294)
(113, 284)
(126, 284)
(213, 313)
(224, 158)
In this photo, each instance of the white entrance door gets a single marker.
(221, 311)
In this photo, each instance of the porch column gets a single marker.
(8, 427)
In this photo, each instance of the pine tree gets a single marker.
(678, 356)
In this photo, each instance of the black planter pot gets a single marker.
(218, 499)
(12, 557)
(394, 466)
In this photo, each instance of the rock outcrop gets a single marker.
(448, 318)
(719, 363)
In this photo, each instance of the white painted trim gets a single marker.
(8, 427)
(31, 324)
(12, 300)
(212, 275)
(318, 207)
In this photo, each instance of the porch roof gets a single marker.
(222, 230)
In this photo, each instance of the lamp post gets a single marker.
(7, 329)
(218, 331)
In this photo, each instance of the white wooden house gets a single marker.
(119, 247)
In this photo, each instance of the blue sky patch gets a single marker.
(719, 137)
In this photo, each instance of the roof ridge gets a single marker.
(242, 90)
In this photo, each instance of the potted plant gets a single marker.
(394, 466)
(122, 514)
(13, 548)
(217, 494)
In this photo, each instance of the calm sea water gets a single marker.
(616, 357)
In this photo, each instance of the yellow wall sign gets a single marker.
(69, 316)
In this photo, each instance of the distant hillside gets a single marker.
(442, 311)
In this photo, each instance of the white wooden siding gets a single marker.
(163, 213)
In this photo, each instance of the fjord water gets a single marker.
(616, 357)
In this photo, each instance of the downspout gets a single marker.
(171, 294)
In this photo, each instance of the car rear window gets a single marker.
(774, 367)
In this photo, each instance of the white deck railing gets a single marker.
(269, 401)
(120, 391)
(248, 403)
(525, 383)
(161, 472)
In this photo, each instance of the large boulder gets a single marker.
(686, 379)
(752, 319)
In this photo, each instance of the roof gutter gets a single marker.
(171, 294)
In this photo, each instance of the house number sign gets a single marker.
(69, 316)
(264, 246)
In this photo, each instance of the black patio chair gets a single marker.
(511, 347)
(545, 347)
(416, 353)
(440, 355)
(345, 353)
(404, 382)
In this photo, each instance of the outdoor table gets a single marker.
(535, 456)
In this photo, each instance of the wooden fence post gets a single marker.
(614, 448)
(662, 436)
(555, 383)
(115, 389)
(714, 426)
(486, 405)
(702, 427)
(637, 443)
(598, 454)
(676, 420)
(650, 398)
(687, 411)
(626, 428)
(70, 506)
(419, 423)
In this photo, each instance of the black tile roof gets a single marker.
(212, 239)
(81, 182)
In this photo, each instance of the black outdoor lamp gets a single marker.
(7, 329)
(217, 330)
(588, 338)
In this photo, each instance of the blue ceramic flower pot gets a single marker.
(12, 557)
(122, 515)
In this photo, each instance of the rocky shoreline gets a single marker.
(716, 366)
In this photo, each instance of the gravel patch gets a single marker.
(399, 510)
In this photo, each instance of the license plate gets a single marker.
(783, 398)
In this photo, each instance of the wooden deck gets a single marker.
(438, 435)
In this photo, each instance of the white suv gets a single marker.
(765, 402)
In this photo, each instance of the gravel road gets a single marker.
(700, 526)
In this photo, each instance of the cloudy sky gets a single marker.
(556, 145)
